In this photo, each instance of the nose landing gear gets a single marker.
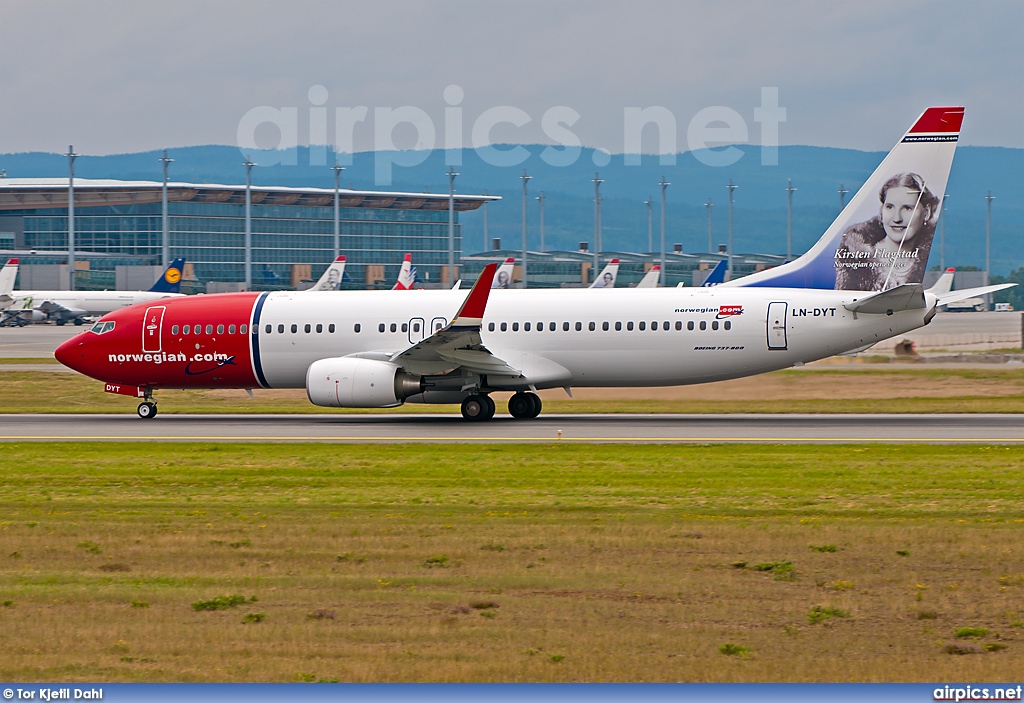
(147, 408)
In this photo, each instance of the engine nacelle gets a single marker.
(348, 382)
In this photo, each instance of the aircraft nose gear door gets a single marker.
(777, 325)
(152, 329)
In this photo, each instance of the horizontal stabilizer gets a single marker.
(909, 296)
(965, 293)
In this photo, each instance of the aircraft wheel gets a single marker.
(147, 410)
(476, 406)
(520, 405)
(79, 322)
(60, 323)
(535, 405)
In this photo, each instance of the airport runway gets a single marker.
(451, 428)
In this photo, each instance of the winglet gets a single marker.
(472, 311)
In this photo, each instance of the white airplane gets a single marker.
(407, 275)
(331, 278)
(651, 278)
(859, 284)
(503, 279)
(65, 306)
(945, 282)
(606, 279)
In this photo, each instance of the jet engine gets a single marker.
(350, 382)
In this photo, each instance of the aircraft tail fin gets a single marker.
(882, 238)
(407, 276)
(332, 277)
(503, 279)
(717, 275)
(944, 284)
(170, 279)
(651, 279)
(8, 274)
(606, 279)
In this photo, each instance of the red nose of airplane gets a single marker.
(72, 352)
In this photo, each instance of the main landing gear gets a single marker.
(478, 407)
(524, 406)
(147, 408)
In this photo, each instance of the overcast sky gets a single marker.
(113, 77)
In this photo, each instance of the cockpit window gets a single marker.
(102, 327)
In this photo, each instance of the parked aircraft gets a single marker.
(651, 278)
(503, 279)
(606, 279)
(859, 284)
(331, 278)
(8, 274)
(407, 276)
(63, 306)
(717, 275)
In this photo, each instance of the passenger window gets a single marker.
(174, 329)
(307, 328)
(394, 327)
(604, 326)
(405, 326)
(295, 328)
(490, 327)
(579, 326)
(629, 326)
(689, 325)
(565, 326)
(665, 326)
(618, 326)
(231, 329)
(551, 326)
(504, 326)
(654, 325)
(679, 325)
(526, 327)
(185, 329)
(267, 329)
(319, 328)
(593, 326)
(380, 327)
(331, 328)
(245, 328)
(643, 325)
(727, 324)
(280, 329)
(209, 329)
(540, 326)
(416, 327)
(220, 329)
(515, 326)
(703, 325)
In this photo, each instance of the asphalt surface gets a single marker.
(451, 428)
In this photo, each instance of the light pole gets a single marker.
(988, 244)
(731, 188)
(842, 197)
(711, 242)
(71, 216)
(664, 184)
(337, 207)
(597, 222)
(525, 179)
(650, 223)
(165, 227)
(789, 219)
(540, 199)
(248, 222)
(942, 235)
(451, 224)
(487, 242)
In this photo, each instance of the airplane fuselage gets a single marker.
(629, 337)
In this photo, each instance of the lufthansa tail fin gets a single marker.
(882, 238)
(170, 280)
(7, 276)
(332, 277)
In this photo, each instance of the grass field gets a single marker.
(862, 389)
(512, 563)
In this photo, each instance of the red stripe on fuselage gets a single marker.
(219, 358)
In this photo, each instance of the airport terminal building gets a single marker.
(119, 223)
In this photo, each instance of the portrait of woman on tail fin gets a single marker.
(892, 248)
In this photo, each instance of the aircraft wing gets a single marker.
(459, 343)
(50, 308)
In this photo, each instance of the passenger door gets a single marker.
(777, 326)
(152, 329)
